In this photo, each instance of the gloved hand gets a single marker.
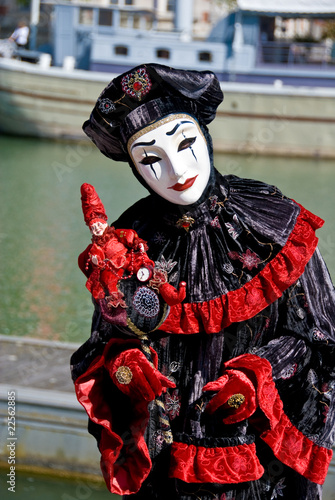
(136, 377)
(236, 394)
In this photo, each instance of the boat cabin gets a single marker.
(269, 38)
(261, 41)
(114, 39)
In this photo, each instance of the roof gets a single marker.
(308, 7)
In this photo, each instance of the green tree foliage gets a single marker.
(23, 3)
(231, 4)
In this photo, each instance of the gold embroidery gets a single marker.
(236, 400)
(124, 375)
(160, 403)
(164, 421)
(135, 329)
(261, 243)
(168, 437)
(185, 222)
(139, 332)
(146, 349)
(220, 203)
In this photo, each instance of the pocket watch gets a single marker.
(144, 273)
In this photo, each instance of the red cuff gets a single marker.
(288, 444)
(123, 476)
(236, 396)
(136, 377)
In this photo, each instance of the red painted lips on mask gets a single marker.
(182, 187)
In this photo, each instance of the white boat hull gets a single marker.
(253, 119)
(50, 102)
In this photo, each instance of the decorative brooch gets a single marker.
(185, 222)
(236, 400)
(136, 84)
(124, 375)
(106, 105)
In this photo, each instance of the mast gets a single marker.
(34, 20)
(184, 18)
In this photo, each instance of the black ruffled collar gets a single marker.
(247, 244)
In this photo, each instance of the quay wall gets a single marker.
(253, 118)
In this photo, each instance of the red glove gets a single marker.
(236, 394)
(136, 377)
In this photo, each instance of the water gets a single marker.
(42, 229)
(34, 487)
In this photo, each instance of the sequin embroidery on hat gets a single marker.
(106, 105)
(136, 84)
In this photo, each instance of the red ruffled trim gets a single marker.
(294, 449)
(231, 464)
(125, 460)
(288, 444)
(264, 289)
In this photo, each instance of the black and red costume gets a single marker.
(244, 366)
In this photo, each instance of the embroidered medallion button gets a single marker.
(236, 400)
(124, 375)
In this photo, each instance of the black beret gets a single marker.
(145, 94)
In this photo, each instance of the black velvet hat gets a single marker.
(144, 95)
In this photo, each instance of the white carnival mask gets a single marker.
(172, 157)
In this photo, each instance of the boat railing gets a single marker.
(297, 53)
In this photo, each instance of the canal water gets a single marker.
(42, 229)
(36, 487)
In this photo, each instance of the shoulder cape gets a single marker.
(246, 245)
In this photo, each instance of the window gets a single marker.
(163, 54)
(148, 22)
(105, 17)
(128, 2)
(205, 56)
(171, 5)
(85, 16)
(121, 50)
(136, 21)
(124, 19)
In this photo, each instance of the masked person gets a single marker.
(248, 413)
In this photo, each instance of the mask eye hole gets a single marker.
(186, 143)
(150, 160)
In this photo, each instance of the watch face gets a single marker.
(144, 274)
